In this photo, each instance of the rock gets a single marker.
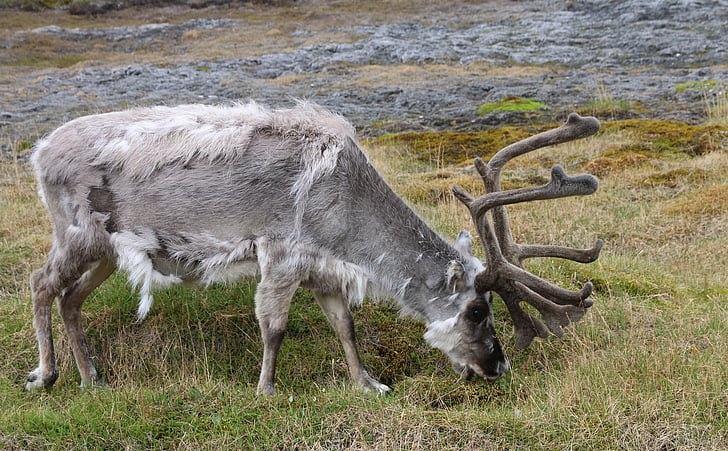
(577, 51)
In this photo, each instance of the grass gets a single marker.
(604, 105)
(645, 369)
(715, 98)
(511, 104)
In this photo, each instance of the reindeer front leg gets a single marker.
(272, 304)
(337, 311)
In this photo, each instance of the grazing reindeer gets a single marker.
(207, 194)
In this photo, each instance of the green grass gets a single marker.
(645, 369)
(511, 104)
(715, 99)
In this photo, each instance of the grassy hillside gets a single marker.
(646, 369)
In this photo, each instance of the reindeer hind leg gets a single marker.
(70, 304)
(43, 291)
(75, 250)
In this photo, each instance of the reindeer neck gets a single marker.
(360, 219)
(408, 258)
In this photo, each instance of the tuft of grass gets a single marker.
(605, 106)
(616, 162)
(709, 201)
(511, 104)
(716, 107)
(677, 178)
(702, 85)
(715, 98)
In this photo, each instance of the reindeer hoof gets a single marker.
(37, 381)
(266, 390)
(97, 384)
(369, 384)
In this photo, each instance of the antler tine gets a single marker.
(548, 290)
(525, 326)
(504, 274)
(576, 127)
(561, 185)
(569, 253)
(556, 316)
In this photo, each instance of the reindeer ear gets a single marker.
(455, 276)
(464, 243)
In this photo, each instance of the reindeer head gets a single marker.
(469, 337)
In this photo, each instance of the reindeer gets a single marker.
(211, 194)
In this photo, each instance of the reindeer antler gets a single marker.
(504, 272)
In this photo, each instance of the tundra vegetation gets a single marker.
(511, 104)
(645, 369)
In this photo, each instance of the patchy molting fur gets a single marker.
(439, 334)
(157, 192)
(139, 142)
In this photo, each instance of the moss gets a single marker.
(661, 137)
(391, 345)
(435, 187)
(606, 165)
(676, 177)
(452, 148)
(710, 201)
(654, 140)
(702, 85)
(511, 104)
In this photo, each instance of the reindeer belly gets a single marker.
(155, 258)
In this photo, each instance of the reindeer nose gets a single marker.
(501, 367)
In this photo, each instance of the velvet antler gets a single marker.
(504, 272)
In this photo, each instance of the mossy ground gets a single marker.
(444, 149)
(511, 104)
(645, 369)
(640, 143)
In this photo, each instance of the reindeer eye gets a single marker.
(476, 314)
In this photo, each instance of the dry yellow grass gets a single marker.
(23, 241)
(644, 370)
